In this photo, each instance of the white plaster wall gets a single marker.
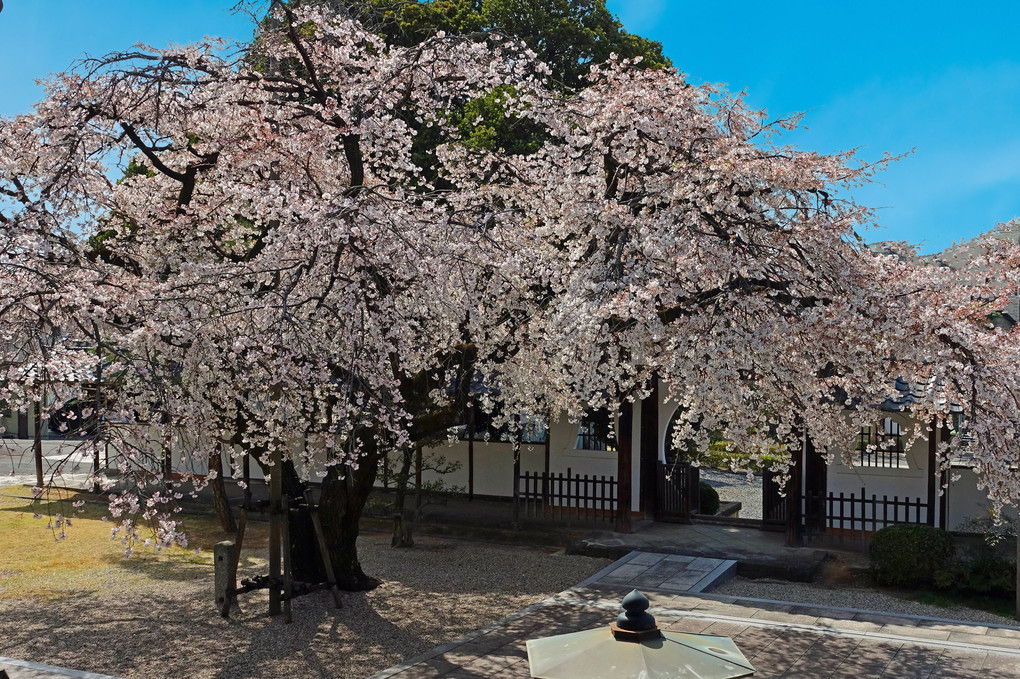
(892, 481)
(966, 501)
(493, 461)
(9, 422)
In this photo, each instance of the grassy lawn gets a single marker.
(36, 562)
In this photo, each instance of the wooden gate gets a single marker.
(677, 496)
(773, 502)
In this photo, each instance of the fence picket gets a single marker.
(565, 496)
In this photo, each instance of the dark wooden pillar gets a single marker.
(946, 476)
(548, 443)
(417, 477)
(471, 452)
(932, 457)
(37, 446)
(517, 472)
(815, 488)
(794, 524)
(624, 459)
(649, 453)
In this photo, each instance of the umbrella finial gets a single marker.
(635, 616)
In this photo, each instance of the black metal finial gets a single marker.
(635, 616)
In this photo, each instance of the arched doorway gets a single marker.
(737, 481)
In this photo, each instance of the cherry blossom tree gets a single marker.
(242, 234)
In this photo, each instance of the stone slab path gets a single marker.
(666, 572)
(780, 639)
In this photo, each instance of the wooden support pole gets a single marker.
(288, 579)
(275, 492)
(649, 452)
(471, 452)
(417, 477)
(946, 478)
(794, 520)
(517, 473)
(37, 446)
(932, 457)
(320, 537)
(548, 444)
(624, 460)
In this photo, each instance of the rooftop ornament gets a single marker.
(634, 646)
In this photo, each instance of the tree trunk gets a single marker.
(403, 524)
(343, 500)
(219, 494)
(341, 503)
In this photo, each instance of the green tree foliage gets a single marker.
(568, 35)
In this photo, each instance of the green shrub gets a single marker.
(986, 570)
(912, 556)
(709, 499)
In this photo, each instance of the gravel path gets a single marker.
(846, 596)
(433, 593)
(735, 487)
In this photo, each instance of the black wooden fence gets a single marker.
(773, 502)
(677, 494)
(567, 496)
(855, 517)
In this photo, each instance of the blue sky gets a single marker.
(937, 77)
(942, 78)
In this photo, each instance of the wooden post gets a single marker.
(417, 477)
(166, 444)
(794, 524)
(548, 437)
(37, 445)
(932, 456)
(624, 458)
(471, 452)
(327, 563)
(649, 453)
(288, 580)
(275, 493)
(946, 478)
(100, 434)
(517, 472)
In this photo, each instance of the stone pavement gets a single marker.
(20, 669)
(780, 639)
(62, 462)
(666, 572)
(759, 553)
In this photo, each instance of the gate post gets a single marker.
(794, 520)
(692, 491)
(624, 453)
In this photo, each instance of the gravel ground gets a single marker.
(433, 593)
(734, 487)
(846, 596)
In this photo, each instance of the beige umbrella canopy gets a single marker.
(635, 647)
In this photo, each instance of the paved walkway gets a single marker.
(667, 572)
(759, 553)
(20, 669)
(780, 639)
(63, 464)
